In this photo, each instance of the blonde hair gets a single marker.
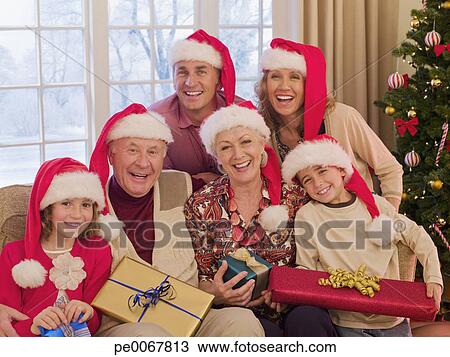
(91, 230)
(271, 117)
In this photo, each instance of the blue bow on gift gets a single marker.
(151, 296)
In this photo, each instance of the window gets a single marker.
(66, 65)
(43, 85)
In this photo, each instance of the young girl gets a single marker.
(53, 274)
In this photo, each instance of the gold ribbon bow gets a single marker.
(243, 255)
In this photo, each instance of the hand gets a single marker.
(50, 318)
(224, 292)
(435, 291)
(206, 176)
(273, 305)
(7, 315)
(75, 308)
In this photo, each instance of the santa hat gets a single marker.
(242, 114)
(205, 48)
(325, 150)
(132, 122)
(245, 114)
(310, 62)
(56, 180)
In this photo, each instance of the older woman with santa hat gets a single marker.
(242, 209)
(293, 101)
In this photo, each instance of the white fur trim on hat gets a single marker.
(276, 58)
(229, 117)
(148, 125)
(75, 184)
(312, 153)
(110, 227)
(192, 50)
(274, 217)
(29, 273)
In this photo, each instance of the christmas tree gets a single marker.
(420, 108)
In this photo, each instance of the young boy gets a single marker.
(342, 210)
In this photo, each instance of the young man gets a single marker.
(204, 81)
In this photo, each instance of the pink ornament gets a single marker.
(412, 159)
(443, 139)
(395, 80)
(432, 38)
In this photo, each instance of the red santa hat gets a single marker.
(325, 150)
(56, 180)
(246, 115)
(206, 48)
(135, 121)
(310, 62)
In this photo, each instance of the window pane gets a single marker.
(19, 165)
(19, 118)
(163, 90)
(63, 56)
(243, 45)
(64, 113)
(18, 57)
(75, 150)
(267, 12)
(180, 14)
(267, 38)
(129, 12)
(129, 55)
(18, 13)
(239, 12)
(123, 95)
(164, 41)
(61, 12)
(245, 89)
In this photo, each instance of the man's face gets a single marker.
(137, 163)
(196, 84)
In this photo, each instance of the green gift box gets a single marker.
(257, 268)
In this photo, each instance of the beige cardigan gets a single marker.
(365, 148)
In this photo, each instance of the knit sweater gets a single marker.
(347, 248)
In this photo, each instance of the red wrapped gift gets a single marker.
(396, 297)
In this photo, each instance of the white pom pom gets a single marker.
(29, 273)
(110, 227)
(274, 217)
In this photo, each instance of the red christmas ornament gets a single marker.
(432, 38)
(440, 49)
(395, 80)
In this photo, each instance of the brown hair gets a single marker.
(92, 228)
(271, 117)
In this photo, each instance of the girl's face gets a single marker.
(285, 91)
(239, 152)
(71, 216)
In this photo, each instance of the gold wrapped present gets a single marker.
(136, 292)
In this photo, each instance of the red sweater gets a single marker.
(97, 258)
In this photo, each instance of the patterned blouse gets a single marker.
(217, 228)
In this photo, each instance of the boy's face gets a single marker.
(324, 184)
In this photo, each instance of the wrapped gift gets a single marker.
(136, 292)
(257, 268)
(395, 298)
(74, 329)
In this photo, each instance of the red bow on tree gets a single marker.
(439, 49)
(403, 126)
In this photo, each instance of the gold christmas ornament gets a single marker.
(415, 23)
(412, 113)
(404, 196)
(389, 110)
(436, 184)
(441, 222)
(436, 82)
(446, 5)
